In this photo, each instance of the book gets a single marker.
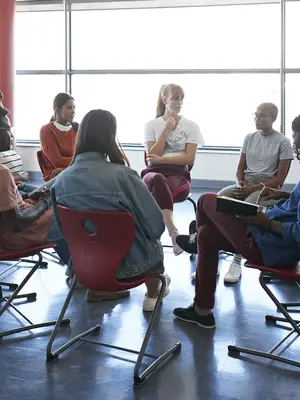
(238, 207)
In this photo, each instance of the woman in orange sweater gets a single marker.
(58, 137)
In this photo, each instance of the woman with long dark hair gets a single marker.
(58, 137)
(100, 179)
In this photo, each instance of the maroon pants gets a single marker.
(167, 190)
(218, 231)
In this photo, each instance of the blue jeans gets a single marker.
(55, 235)
(27, 188)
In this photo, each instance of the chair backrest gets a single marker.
(40, 160)
(96, 256)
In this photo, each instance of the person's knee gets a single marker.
(158, 180)
(207, 198)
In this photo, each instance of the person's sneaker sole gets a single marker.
(196, 323)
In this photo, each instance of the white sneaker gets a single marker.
(176, 249)
(193, 276)
(150, 302)
(233, 274)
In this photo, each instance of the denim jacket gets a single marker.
(92, 183)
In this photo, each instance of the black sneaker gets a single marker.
(192, 227)
(189, 315)
(188, 243)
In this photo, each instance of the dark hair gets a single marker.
(97, 132)
(5, 140)
(296, 124)
(59, 101)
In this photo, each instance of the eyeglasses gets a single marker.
(260, 116)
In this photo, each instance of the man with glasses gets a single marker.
(264, 161)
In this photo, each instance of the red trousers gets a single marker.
(167, 190)
(218, 231)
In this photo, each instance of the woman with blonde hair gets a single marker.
(171, 143)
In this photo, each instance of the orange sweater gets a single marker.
(57, 149)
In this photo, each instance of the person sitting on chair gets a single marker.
(264, 161)
(171, 143)
(58, 137)
(271, 238)
(8, 154)
(100, 179)
(27, 223)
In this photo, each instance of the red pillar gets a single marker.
(7, 72)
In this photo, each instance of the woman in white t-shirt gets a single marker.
(171, 143)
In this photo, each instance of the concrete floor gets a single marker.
(202, 371)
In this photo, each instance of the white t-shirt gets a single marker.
(186, 132)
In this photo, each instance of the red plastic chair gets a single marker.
(188, 198)
(95, 258)
(290, 273)
(19, 256)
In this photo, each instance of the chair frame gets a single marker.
(138, 377)
(266, 275)
(20, 256)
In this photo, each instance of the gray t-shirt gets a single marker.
(263, 153)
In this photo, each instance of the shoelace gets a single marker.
(193, 238)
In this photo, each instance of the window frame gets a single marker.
(71, 6)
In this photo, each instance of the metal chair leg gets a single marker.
(54, 355)
(278, 304)
(234, 351)
(138, 378)
(29, 296)
(193, 203)
(53, 255)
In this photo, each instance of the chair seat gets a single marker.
(7, 255)
(291, 272)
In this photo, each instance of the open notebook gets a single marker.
(237, 207)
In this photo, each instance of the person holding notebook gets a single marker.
(264, 161)
(271, 238)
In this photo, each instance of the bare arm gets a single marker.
(157, 147)
(19, 221)
(242, 166)
(278, 180)
(188, 158)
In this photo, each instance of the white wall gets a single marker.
(208, 166)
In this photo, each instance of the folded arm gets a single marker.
(51, 149)
(17, 221)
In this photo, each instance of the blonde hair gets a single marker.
(166, 91)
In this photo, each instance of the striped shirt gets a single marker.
(11, 160)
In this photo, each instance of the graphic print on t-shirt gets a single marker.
(176, 142)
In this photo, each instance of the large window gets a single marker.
(189, 38)
(292, 101)
(292, 34)
(222, 105)
(227, 59)
(34, 99)
(40, 40)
